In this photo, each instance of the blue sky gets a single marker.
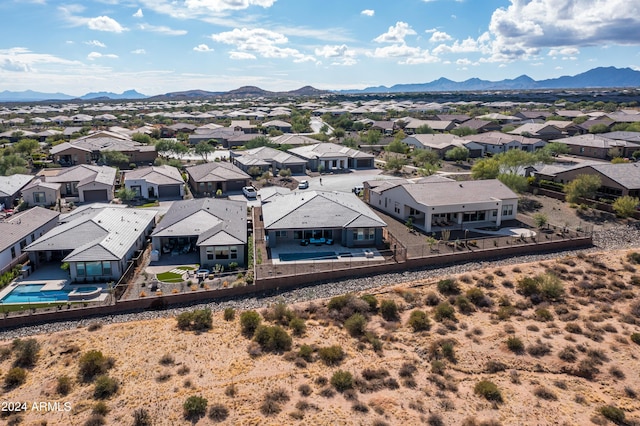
(159, 46)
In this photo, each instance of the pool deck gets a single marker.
(344, 254)
(51, 277)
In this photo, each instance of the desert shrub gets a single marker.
(431, 299)
(568, 354)
(612, 413)
(448, 287)
(435, 419)
(342, 307)
(374, 374)
(464, 305)
(92, 364)
(183, 370)
(197, 320)
(495, 366)
(438, 367)
(272, 338)
(528, 286)
(249, 322)
(539, 349)
(444, 311)
(298, 326)
(419, 321)
(167, 359)
(633, 257)
(617, 372)
(278, 395)
(546, 286)
(304, 389)
(544, 315)
(270, 407)
(505, 312)
(544, 393)
(635, 338)
(141, 417)
(475, 295)
(389, 310)
(338, 302)
(407, 369)
(194, 407)
(356, 324)
(15, 377)
(448, 350)
(371, 301)
(100, 408)
(26, 352)
(360, 407)
(488, 390)
(586, 368)
(229, 314)
(573, 327)
(306, 352)
(342, 380)
(94, 326)
(63, 385)
(635, 309)
(279, 312)
(218, 412)
(104, 387)
(95, 420)
(331, 355)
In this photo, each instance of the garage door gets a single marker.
(236, 185)
(169, 191)
(362, 164)
(96, 195)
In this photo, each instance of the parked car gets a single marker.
(304, 184)
(249, 192)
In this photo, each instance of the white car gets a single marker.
(249, 192)
(304, 184)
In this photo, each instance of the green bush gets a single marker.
(444, 311)
(488, 390)
(194, 407)
(448, 286)
(298, 326)
(634, 257)
(389, 310)
(105, 386)
(514, 344)
(544, 315)
(342, 380)
(63, 385)
(229, 314)
(26, 352)
(464, 305)
(93, 363)
(331, 355)
(100, 408)
(612, 413)
(356, 324)
(15, 377)
(339, 302)
(371, 300)
(306, 352)
(272, 338)
(197, 320)
(635, 338)
(249, 322)
(419, 321)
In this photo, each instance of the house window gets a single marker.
(396, 208)
(473, 216)
(233, 251)
(581, 149)
(23, 244)
(413, 212)
(281, 234)
(507, 210)
(13, 252)
(222, 252)
(33, 237)
(210, 253)
(93, 269)
(39, 198)
(363, 234)
(297, 235)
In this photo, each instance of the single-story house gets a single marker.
(597, 146)
(617, 179)
(209, 178)
(436, 203)
(266, 158)
(216, 229)
(328, 156)
(481, 126)
(440, 143)
(542, 131)
(88, 183)
(338, 216)
(11, 187)
(41, 193)
(496, 142)
(294, 139)
(155, 182)
(412, 124)
(21, 229)
(221, 135)
(96, 245)
(280, 125)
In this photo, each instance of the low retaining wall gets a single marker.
(287, 282)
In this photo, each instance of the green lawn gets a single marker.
(186, 268)
(169, 277)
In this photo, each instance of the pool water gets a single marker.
(33, 293)
(325, 255)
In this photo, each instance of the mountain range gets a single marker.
(602, 77)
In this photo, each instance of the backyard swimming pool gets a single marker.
(33, 293)
(290, 257)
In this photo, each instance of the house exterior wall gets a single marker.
(6, 256)
(77, 156)
(51, 196)
(206, 262)
(347, 237)
(609, 186)
(498, 148)
(587, 151)
(95, 186)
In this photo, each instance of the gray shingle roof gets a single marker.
(10, 185)
(328, 149)
(23, 224)
(84, 174)
(318, 209)
(214, 221)
(447, 193)
(107, 234)
(159, 175)
(215, 172)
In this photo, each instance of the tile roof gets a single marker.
(216, 171)
(441, 193)
(10, 185)
(23, 224)
(328, 150)
(159, 175)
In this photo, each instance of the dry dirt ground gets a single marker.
(577, 356)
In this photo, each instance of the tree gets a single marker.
(114, 158)
(458, 153)
(540, 219)
(614, 152)
(516, 183)
(487, 168)
(556, 148)
(372, 137)
(424, 156)
(169, 147)
(395, 164)
(142, 138)
(583, 186)
(513, 160)
(203, 149)
(350, 142)
(260, 141)
(463, 131)
(396, 146)
(12, 164)
(338, 132)
(598, 128)
(626, 206)
(284, 173)
(126, 194)
(27, 146)
(424, 130)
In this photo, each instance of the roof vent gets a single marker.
(460, 185)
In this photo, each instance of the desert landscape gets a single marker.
(551, 342)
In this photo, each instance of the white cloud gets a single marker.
(464, 62)
(202, 48)
(96, 55)
(96, 43)
(161, 29)
(341, 54)
(222, 5)
(105, 23)
(260, 42)
(21, 59)
(241, 55)
(205, 9)
(138, 14)
(139, 52)
(439, 36)
(395, 34)
(368, 12)
(407, 54)
(565, 51)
